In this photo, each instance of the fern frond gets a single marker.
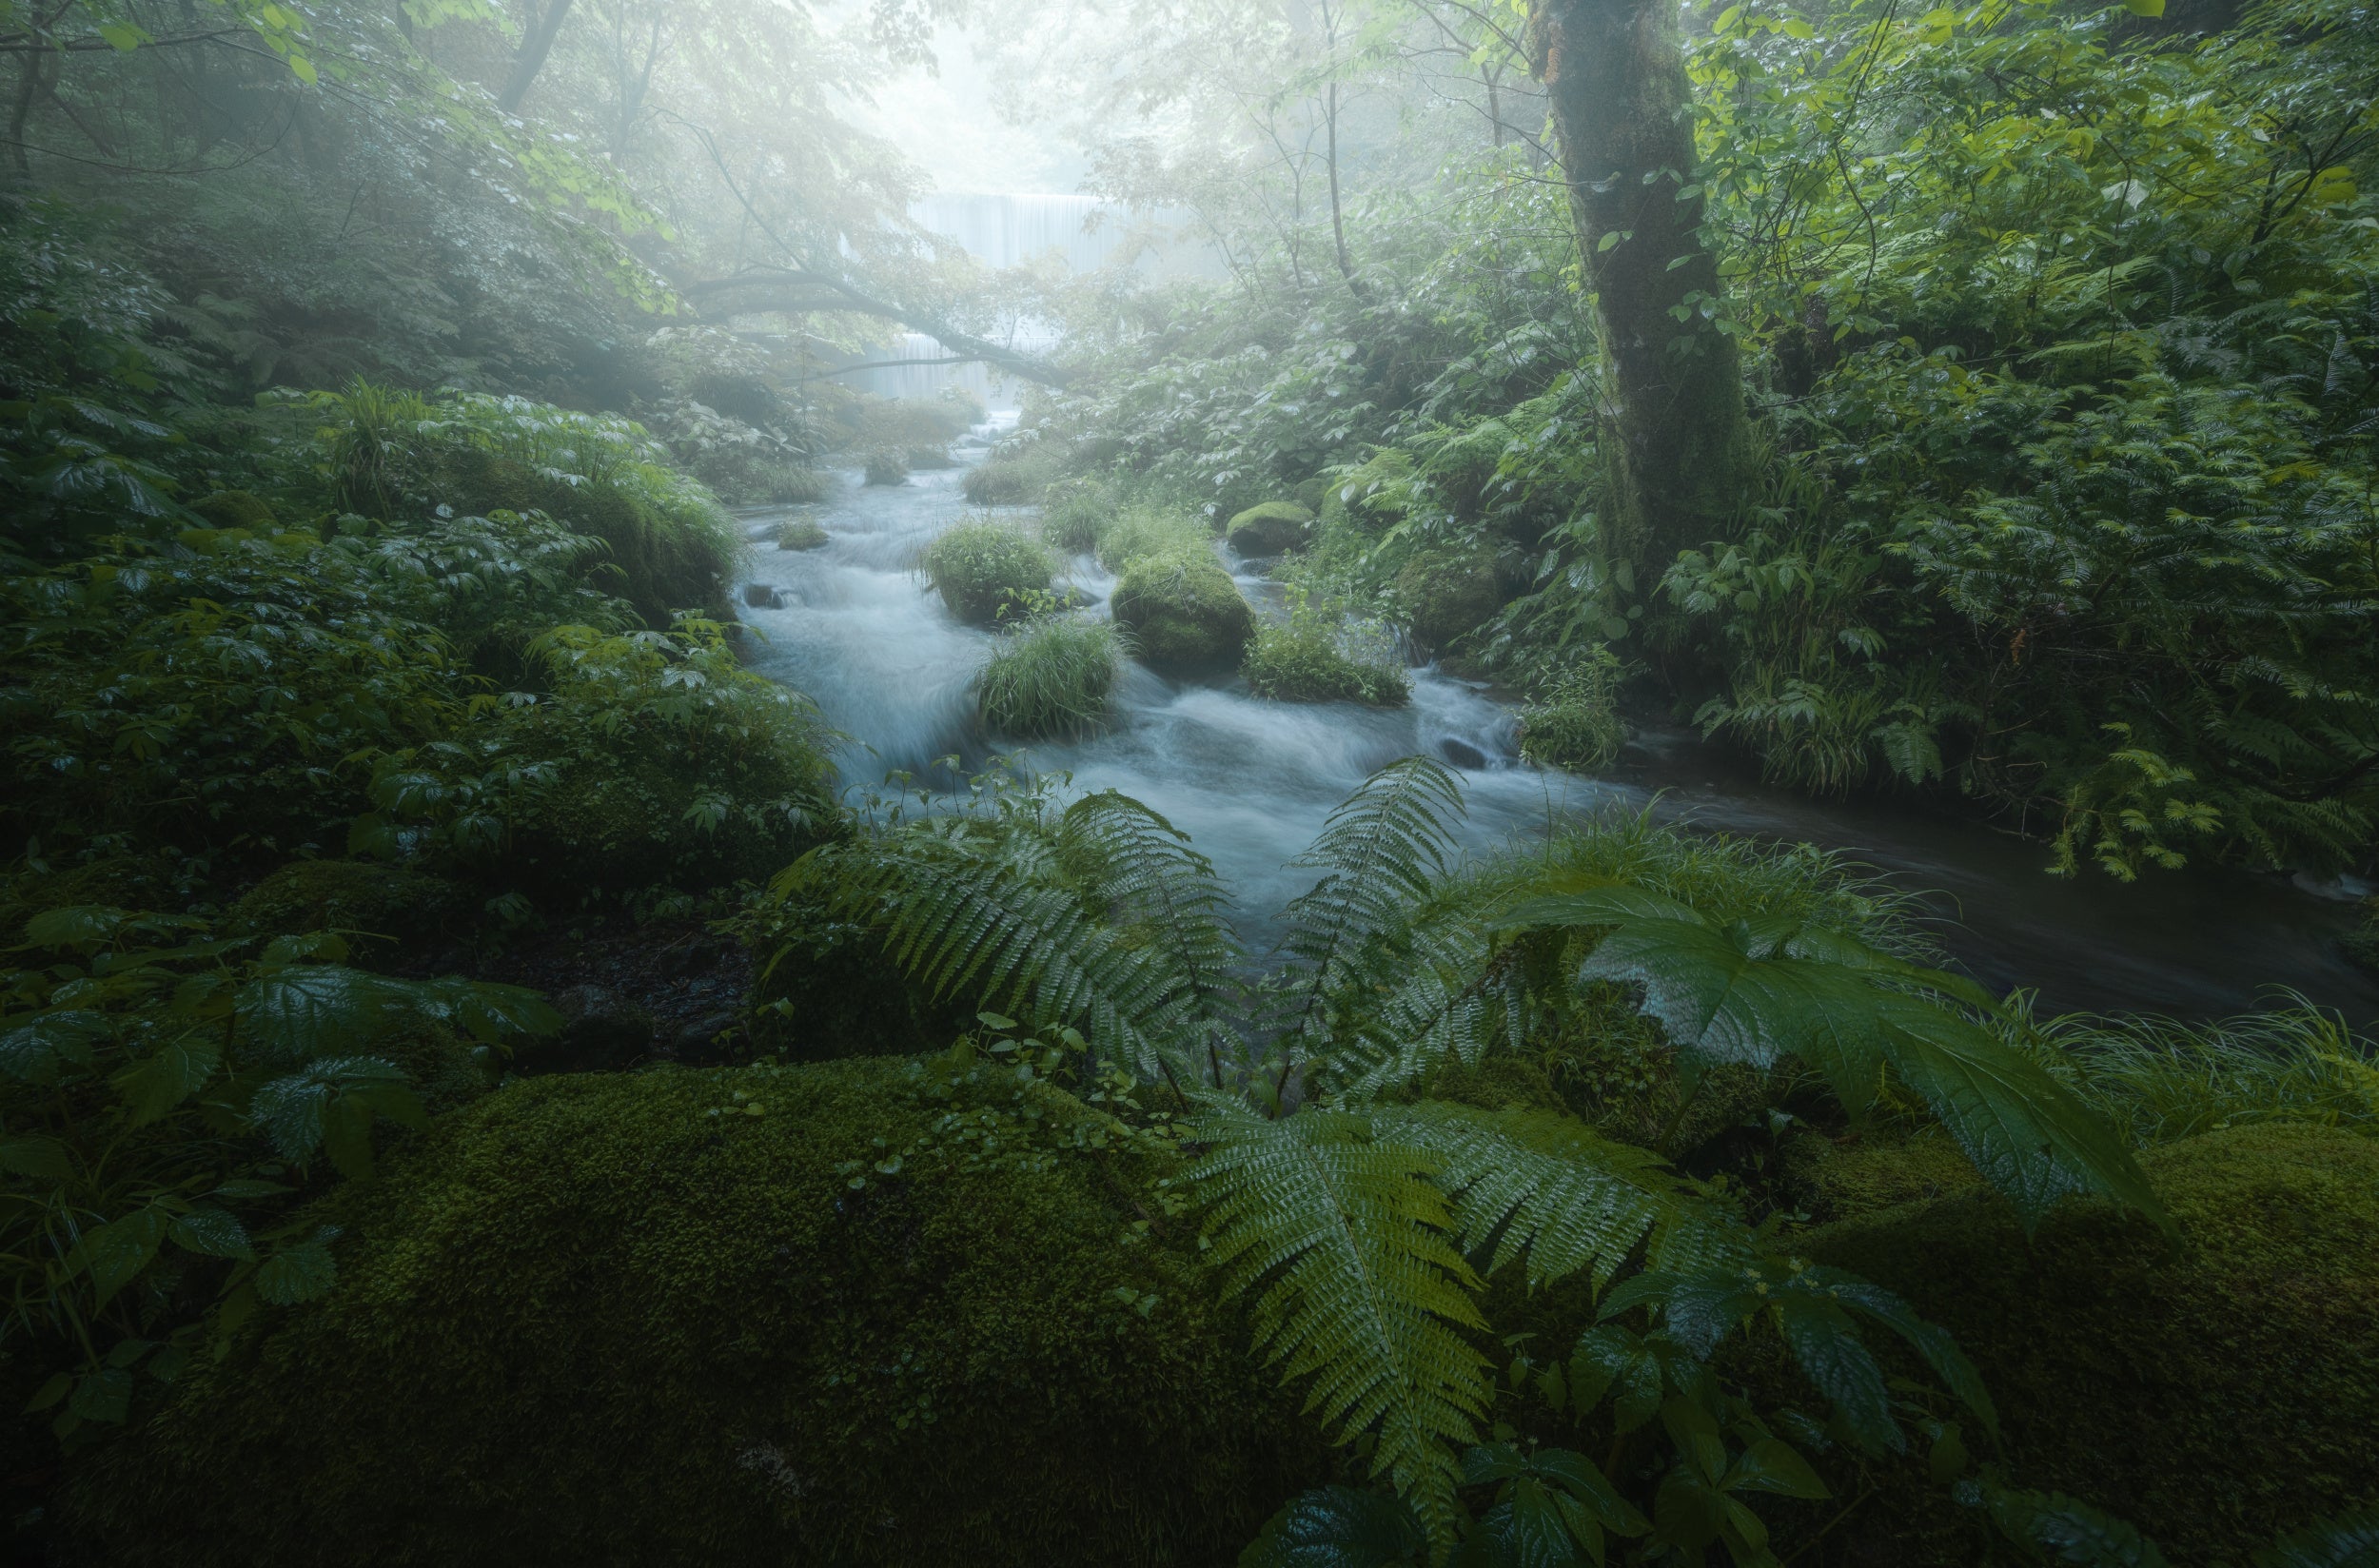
(1757, 990)
(1450, 995)
(1342, 1241)
(1380, 853)
(965, 926)
(1542, 1188)
(1130, 862)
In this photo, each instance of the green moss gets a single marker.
(801, 534)
(1139, 533)
(1871, 1173)
(1273, 528)
(989, 571)
(384, 911)
(236, 509)
(2213, 1394)
(888, 465)
(1185, 613)
(1302, 663)
(1447, 594)
(2362, 944)
(890, 1320)
(443, 1067)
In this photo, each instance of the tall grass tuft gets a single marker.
(1049, 681)
(2161, 1079)
(990, 570)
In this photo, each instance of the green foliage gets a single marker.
(1049, 681)
(1183, 612)
(1573, 719)
(863, 1312)
(988, 571)
(888, 465)
(1012, 478)
(1146, 531)
(167, 1094)
(1075, 514)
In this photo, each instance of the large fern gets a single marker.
(1754, 991)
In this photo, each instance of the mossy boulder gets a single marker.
(383, 910)
(866, 1313)
(888, 465)
(1870, 1172)
(801, 534)
(1448, 593)
(1274, 528)
(1304, 663)
(1184, 613)
(2214, 1393)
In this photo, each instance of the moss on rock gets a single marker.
(801, 534)
(989, 572)
(1184, 612)
(1273, 528)
(869, 1313)
(2214, 1394)
(1872, 1172)
(1447, 594)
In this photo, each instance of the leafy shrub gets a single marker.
(2135, 1374)
(988, 571)
(1447, 594)
(888, 465)
(1049, 681)
(801, 534)
(167, 1094)
(1183, 612)
(655, 759)
(928, 456)
(381, 913)
(2362, 945)
(1573, 721)
(1303, 662)
(873, 1313)
(867, 422)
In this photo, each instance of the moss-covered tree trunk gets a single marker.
(1615, 73)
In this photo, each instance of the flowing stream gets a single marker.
(1250, 781)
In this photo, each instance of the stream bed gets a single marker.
(855, 627)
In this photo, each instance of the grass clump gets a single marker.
(1074, 513)
(1141, 533)
(1184, 611)
(1049, 681)
(1012, 477)
(798, 487)
(928, 455)
(801, 534)
(888, 465)
(1303, 662)
(1573, 722)
(989, 571)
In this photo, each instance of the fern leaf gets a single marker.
(1380, 853)
(1541, 1187)
(962, 926)
(1342, 1240)
(1449, 996)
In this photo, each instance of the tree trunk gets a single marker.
(536, 43)
(1615, 72)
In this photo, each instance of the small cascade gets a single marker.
(853, 625)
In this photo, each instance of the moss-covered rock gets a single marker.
(1184, 612)
(1871, 1173)
(1304, 663)
(856, 1314)
(383, 910)
(1273, 528)
(801, 534)
(1447, 594)
(888, 465)
(2214, 1394)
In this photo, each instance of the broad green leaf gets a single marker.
(43, 1159)
(76, 926)
(1772, 1465)
(34, 1049)
(311, 1010)
(213, 1233)
(299, 1272)
(2348, 1542)
(157, 1083)
(114, 1254)
(1828, 1347)
(1340, 1527)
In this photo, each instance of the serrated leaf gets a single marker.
(213, 1233)
(1340, 1527)
(43, 1159)
(299, 1272)
(33, 1050)
(114, 1254)
(157, 1083)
